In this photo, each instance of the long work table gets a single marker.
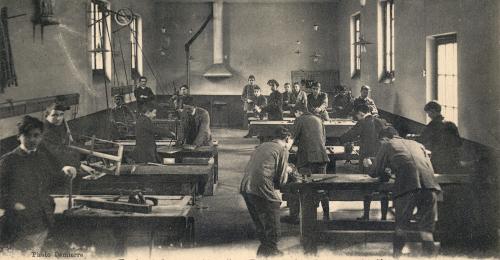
(171, 221)
(310, 229)
(265, 128)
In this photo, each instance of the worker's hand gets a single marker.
(367, 162)
(19, 206)
(189, 147)
(317, 110)
(69, 171)
(249, 101)
(172, 134)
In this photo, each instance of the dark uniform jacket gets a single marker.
(261, 102)
(247, 94)
(146, 91)
(123, 121)
(26, 179)
(195, 129)
(274, 106)
(443, 140)
(367, 129)
(409, 161)
(56, 140)
(310, 137)
(320, 102)
(145, 147)
(287, 100)
(343, 104)
(266, 171)
(367, 101)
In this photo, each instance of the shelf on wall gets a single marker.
(23, 107)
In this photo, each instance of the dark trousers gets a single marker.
(426, 203)
(293, 201)
(367, 200)
(266, 217)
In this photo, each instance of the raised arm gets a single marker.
(377, 169)
(352, 134)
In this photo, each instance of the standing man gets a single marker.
(143, 94)
(317, 102)
(26, 178)
(442, 138)
(195, 126)
(247, 97)
(367, 130)
(309, 135)
(264, 174)
(414, 186)
(146, 132)
(178, 99)
(299, 97)
(122, 119)
(274, 106)
(364, 99)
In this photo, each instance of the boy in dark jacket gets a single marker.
(274, 106)
(26, 178)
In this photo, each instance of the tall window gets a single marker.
(136, 46)
(446, 76)
(355, 48)
(386, 39)
(100, 29)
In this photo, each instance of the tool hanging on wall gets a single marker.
(43, 16)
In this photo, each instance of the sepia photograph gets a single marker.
(249, 129)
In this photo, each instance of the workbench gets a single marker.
(171, 179)
(171, 222)
(265, 128)
(311, 231)
(165, 148)
(335, 153)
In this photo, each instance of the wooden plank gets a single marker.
(365, 236)
(118, 206)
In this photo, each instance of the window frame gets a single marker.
(103, 20)
(387, 68)
(443, 40)
(355, 48)
(136, 38)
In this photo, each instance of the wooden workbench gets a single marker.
(174, 179)
(335, 153)
(310, 229)
(265, 128)
(172, 221)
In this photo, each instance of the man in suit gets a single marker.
(317, 102)
(146, 132)
(414, 186)
(309, 135)
(195, 126)
(367, 130)
(364, 99)
(442, 138)
(143, 94)
(265, 172)
(287, 97)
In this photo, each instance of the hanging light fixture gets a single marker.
(362, 43)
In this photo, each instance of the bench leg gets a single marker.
(308, 215)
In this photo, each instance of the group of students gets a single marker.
(383, 154)
(194, 129)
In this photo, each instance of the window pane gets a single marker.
(447, 84)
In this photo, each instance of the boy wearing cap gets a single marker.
(26, 179)
(287, 97)
(264, 174)
(274, 106)
(195, 126)
(317, 102)
(364, 99)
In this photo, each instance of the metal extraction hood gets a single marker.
(218, 69)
